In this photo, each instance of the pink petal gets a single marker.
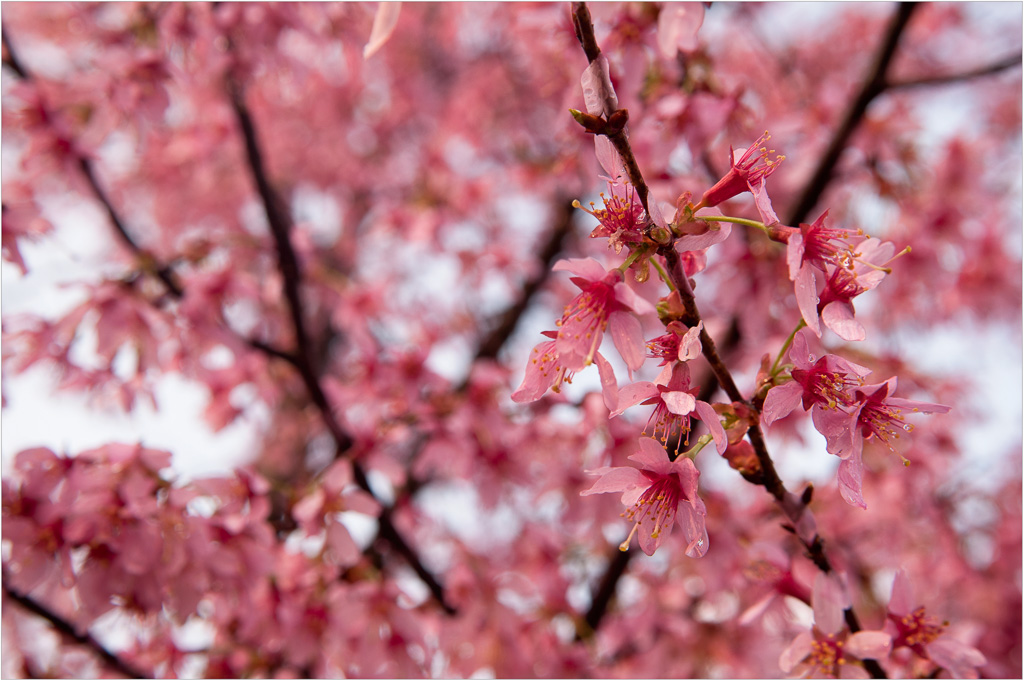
(807, 296)
(597, 87)
(631, 299)
(838, 316)
(609, 386)
(698, 242)
(956, 657)
(795, 253)
(609, 158)
(764, 204)
(780, 401)
(652, 456)
(679, 402)
(851, 472)
(872, 645)
(796, 652)
(902, 601)
(628, 336)
(633, 394)
(710, 418)
(678, 24)
(690, 346)
(616, 479)
(691, 521)
(839, 429)
(384, 22)
(342, 548)
(829, 599)
(588, 268)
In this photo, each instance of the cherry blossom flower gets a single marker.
(821, 384)
(847, 282)
(829, 650)
(606, 301)
(926, 636)
(675, 404)
(875, 415)
(548, 368)
(745, 173)
(680, 344)
(622, 220)
(654, 495)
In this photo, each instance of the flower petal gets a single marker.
(780, 401)
(710, 418)
(588, 268)
(615, 479)
(873, 645)
(838, 316)
(634, 394)
(628, 336)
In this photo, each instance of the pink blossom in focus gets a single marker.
(674, 405)
(745, 173)
(818, 385)
(654, 494)
(605, 301)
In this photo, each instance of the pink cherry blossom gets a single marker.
(622, 220)
(830, 650)
(549, 368)
(874, 415)
(745, 173)
(654, 494)
(926, 635)
(606, 301)
(675, 404)
(680, 344)
(822, 384)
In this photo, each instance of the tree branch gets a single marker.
(767, 477)
(288, 265)
(68, 630)
(950, 78)
(873, 86)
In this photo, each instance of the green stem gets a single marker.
(785, 346)
(738, 221)
(629, 261)
(664, 275)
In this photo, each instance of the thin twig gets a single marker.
(68, 630)
(951, 78)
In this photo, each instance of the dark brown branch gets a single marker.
(605, 590)
(873, 86)
(767, 476)
(10, 58)
(491, 344)
(950, 78)
(66, 629)
(288, 264)
(148, 261)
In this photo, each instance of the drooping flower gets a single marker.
(605, 301)
(654, 495)
(745, 173)
(822, 384)
(674, 405)
(548, 368)
(875, 414)
(863, 273)
(829, 650)
(926, 635)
